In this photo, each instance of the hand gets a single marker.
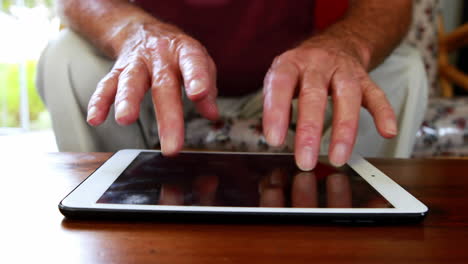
(321, 66)
(160, 57)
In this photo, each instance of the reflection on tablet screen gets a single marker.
(205, 179)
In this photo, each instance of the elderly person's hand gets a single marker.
(161, 58)
(322, 66)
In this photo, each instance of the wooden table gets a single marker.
(32, 230)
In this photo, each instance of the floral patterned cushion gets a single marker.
(232, 134)
(423, 35)
(444, 132)
(445, 129)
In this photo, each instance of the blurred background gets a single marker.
(25, 28)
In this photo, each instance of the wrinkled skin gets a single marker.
(163, 58)
(160, 61)
(153, 55)
(317, 68)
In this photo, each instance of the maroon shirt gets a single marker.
(242, 36)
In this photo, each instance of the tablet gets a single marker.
(144, 184)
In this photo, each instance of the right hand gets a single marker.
(162, 58)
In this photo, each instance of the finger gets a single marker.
(376, 102)
(199, 74)
(338, 191)
(304, 190)
(346, 95)
(311, 110)
(133, 83)
(166, 94)
(279, 86)
(171, 195)
(205, 187)
(102, 98)
(272, 189)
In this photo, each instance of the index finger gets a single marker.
(278, 90)
(166, 94)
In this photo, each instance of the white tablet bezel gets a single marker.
(88, 192)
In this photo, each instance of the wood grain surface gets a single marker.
(32, 230)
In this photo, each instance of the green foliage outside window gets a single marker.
(10, 82)
(6, 4)
(10, 96)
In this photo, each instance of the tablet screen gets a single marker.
(213, 179)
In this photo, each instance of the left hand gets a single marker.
(321, 66)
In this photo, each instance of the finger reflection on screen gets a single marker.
(338, 191)
(271, 189)
(205, 188)
(171, 195)
(304, 190)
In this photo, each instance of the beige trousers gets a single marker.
(70, 68)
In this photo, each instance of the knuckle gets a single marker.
(310, 95)
(309, 132)
(100, 86)
(193, 59)
(123, 93)
(99, 100)
(184, 39)
(384, 110)
(346, 126)
(345, 129)
(322, 54)
(118, 100)
(163, 79)
(276, 61)
(279, 77)
(188, 45)
(362, 76)
(137, 68)
(111, 76)
(289, 55)
(160, 44)
(377, 94)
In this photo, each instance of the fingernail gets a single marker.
(91, 113)
(305, 159)
(273, 137)
(391, 127)
(122, 110)
(339, 154)
(169, 145)
(196, 87)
